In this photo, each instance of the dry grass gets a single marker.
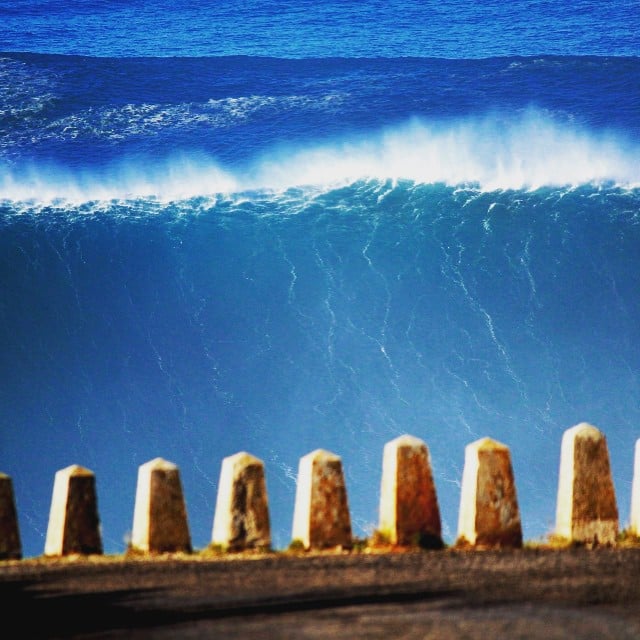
(378, 543)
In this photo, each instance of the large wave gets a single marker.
(490, 153)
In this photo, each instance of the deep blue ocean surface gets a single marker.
(276, 227)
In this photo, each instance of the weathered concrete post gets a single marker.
(586, 510)
(160, 516)
(634, 521)
(409, 511)
(10, 545)
(241, 519)
(321, 515)
(74, 524)
(489, 514)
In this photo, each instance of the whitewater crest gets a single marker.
(490, 154)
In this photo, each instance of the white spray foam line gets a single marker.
(489, 155)
(178, 179)
(525, 155)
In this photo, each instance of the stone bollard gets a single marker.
(489, 514)
(160, 516)
(586, 509)
(74, 524)
(634, 521)
(10, 545)
(409, 512)
(321, 515)
(241, 519)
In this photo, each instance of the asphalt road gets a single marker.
(531, 593)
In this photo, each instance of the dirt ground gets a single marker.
(528, 593)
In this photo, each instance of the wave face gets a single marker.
(200, 256)
(282, 323)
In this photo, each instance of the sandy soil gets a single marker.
(529, 593)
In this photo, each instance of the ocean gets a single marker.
(277, 227)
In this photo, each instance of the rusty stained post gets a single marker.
(489, 514)
(321, 516)
(160, 516)
(586, 510)
(10, 544)
(74, 524)
(409, 511)
(634, 521)
(241, 519)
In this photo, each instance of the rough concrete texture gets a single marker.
(74, 523)
(587, 511)
(489, 514)
(409, 512)
(241, 519)
(10, 544)
(321, 515)
(160, 516)
(634, 520)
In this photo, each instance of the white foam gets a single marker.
(147, 119)
(493, 153)
(177, 178)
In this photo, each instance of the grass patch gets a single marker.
(214, 549)
(428, 542)
(380, 539)
(628, 539)
(296, 546)
(360, 545)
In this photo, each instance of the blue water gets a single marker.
(321, 28)
(285, 226)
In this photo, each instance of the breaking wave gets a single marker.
(489, 154)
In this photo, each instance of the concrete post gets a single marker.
(409, 512)
(489, 514)
(241, 519)
(10, 545)
(160, 516)
(74, 524)
(634, 521)
(321, 516)
(586, 510)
